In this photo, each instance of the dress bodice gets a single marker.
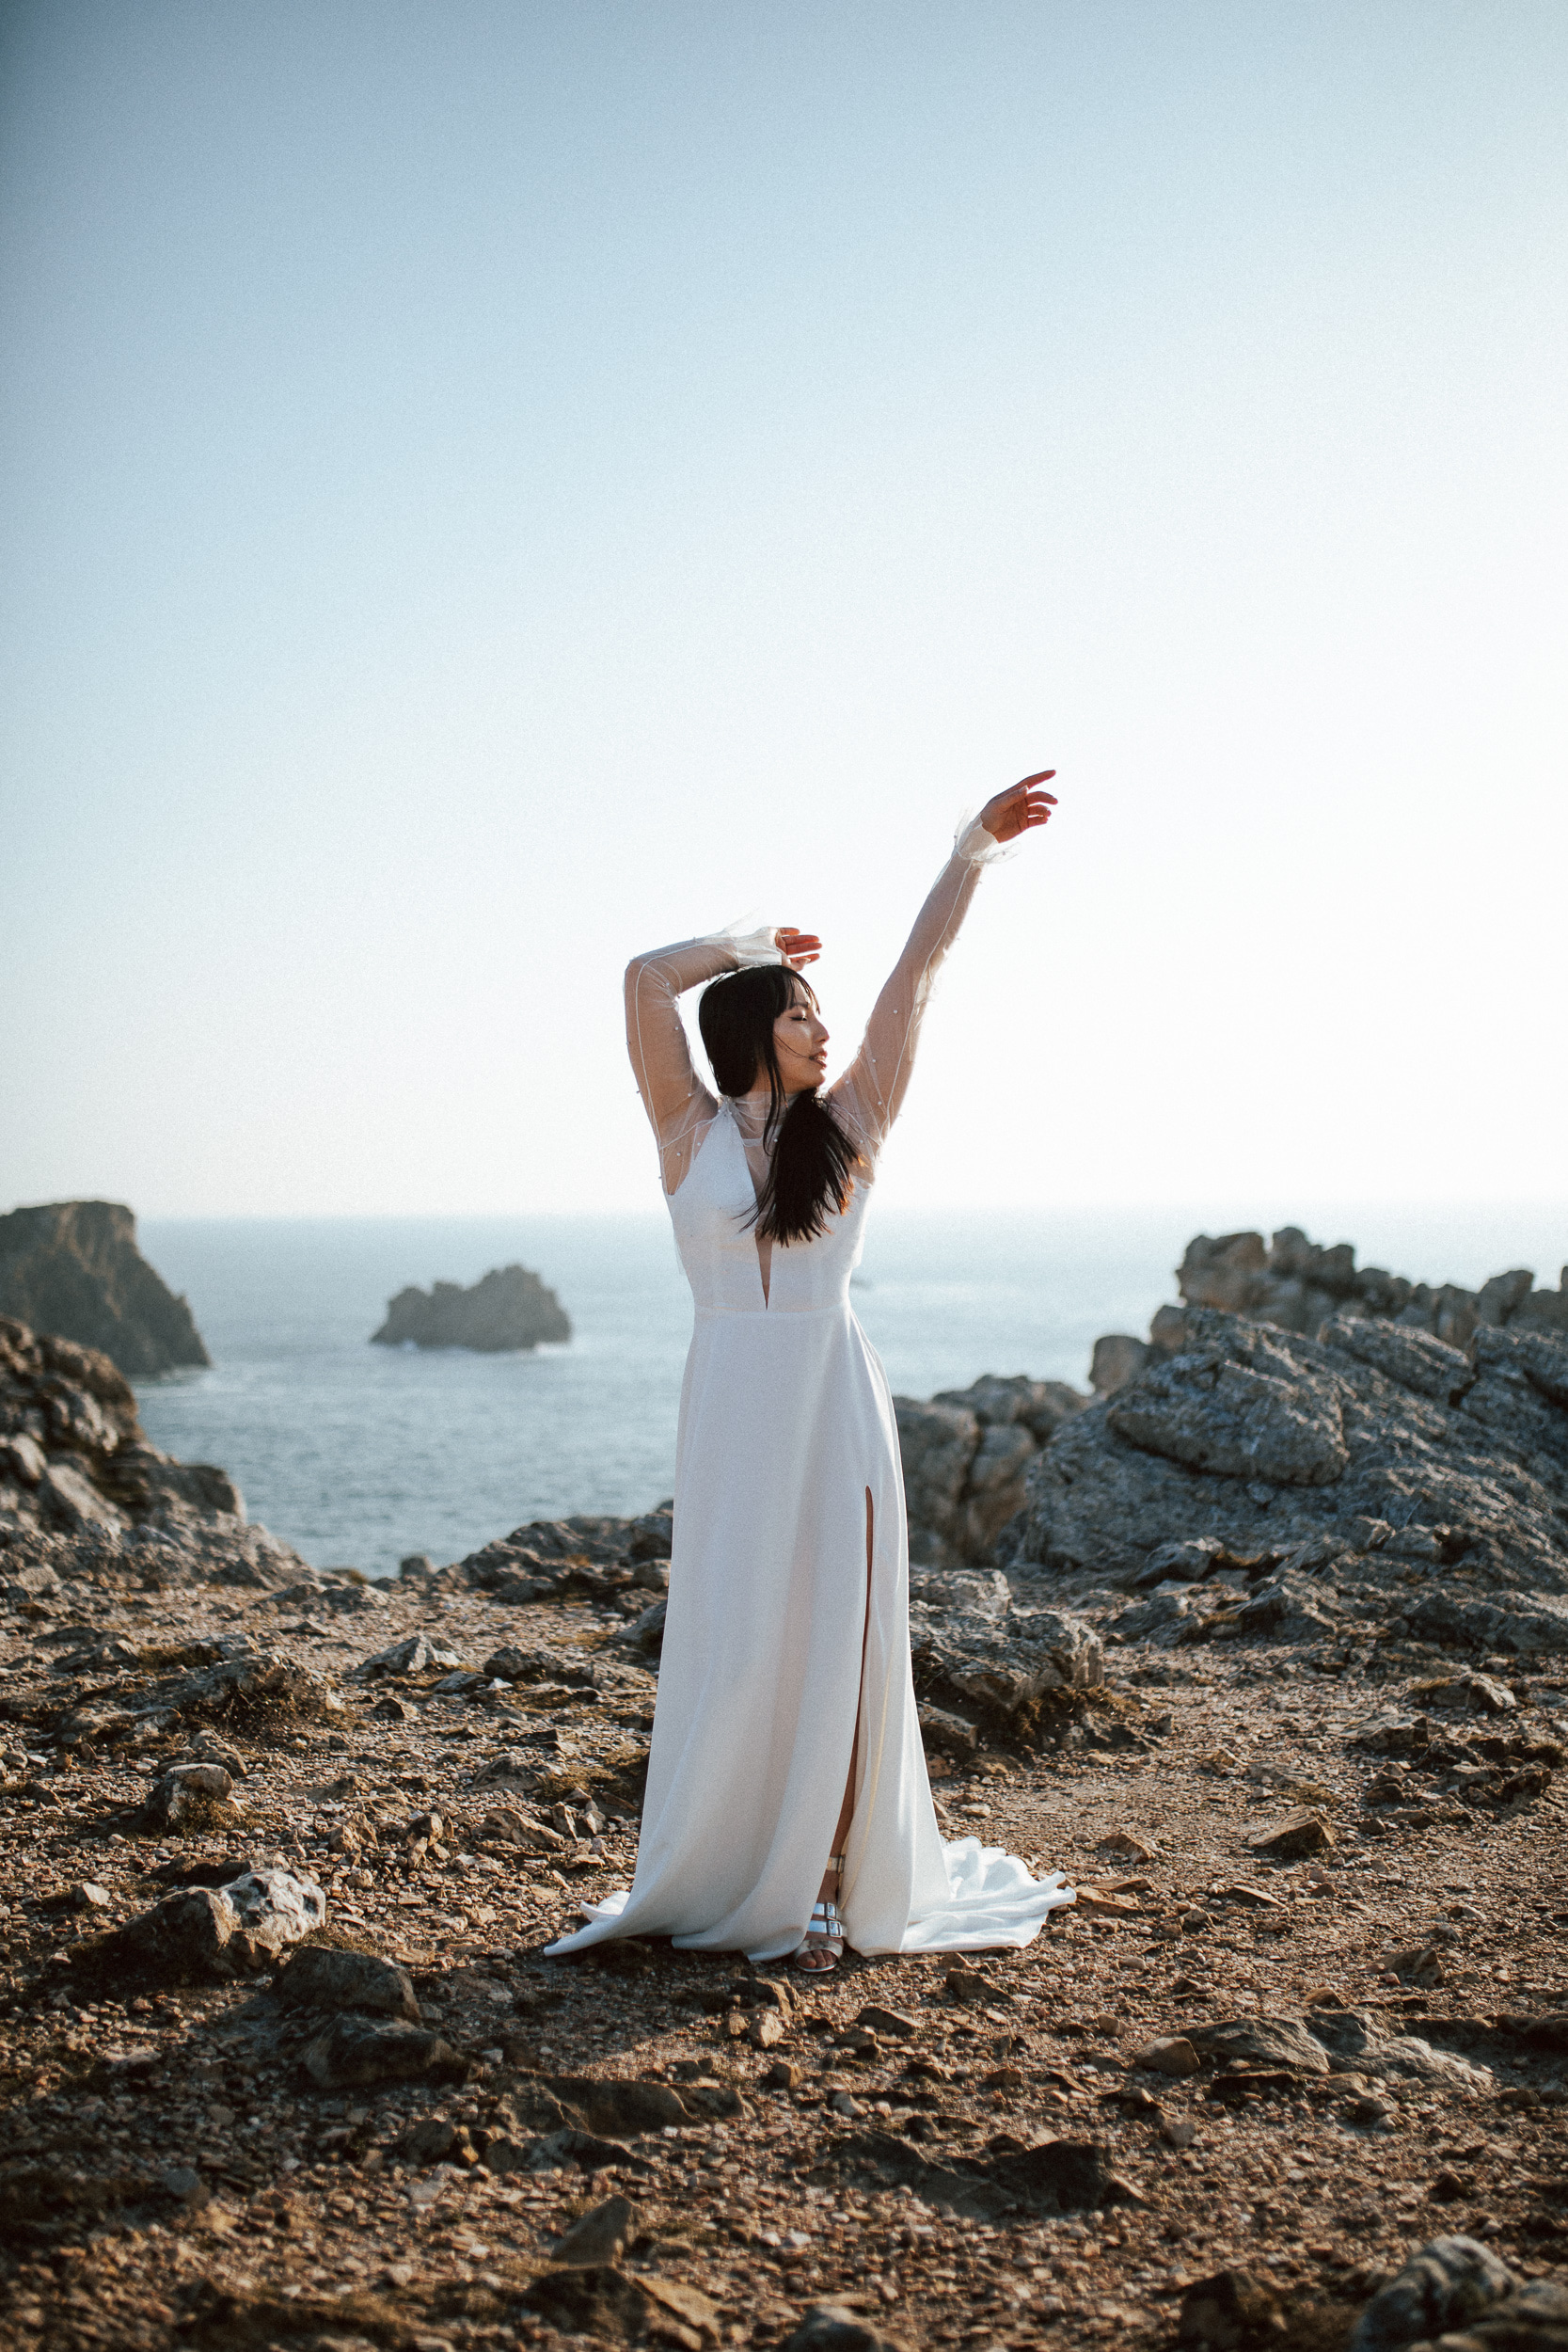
(712, 1212)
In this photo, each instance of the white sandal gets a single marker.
(824, 1932)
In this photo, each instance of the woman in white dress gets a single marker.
(788, 1805)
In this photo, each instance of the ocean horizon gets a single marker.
(360, 1454)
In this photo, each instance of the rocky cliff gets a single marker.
(73, 1268)
(81, 1488)
(509, 1308)
(1401, 1473)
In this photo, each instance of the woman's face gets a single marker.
(800, 1043)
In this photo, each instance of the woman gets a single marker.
(787, 1806)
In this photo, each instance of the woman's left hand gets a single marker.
(1010, 813)
(796, 947)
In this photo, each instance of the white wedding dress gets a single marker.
(774, 1648)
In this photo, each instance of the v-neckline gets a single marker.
(764, 1246)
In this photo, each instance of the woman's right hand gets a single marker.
(797, 948)
(1022, 805)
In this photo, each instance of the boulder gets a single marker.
(1264, 2042)
(965, 1453)
(1116, 1359)
(507, 1309)
(73, 1269)
(1171, 2054)
(599, 2235)
(318, 1976)
(1445, 2287)
(209, 1933)
(252, 1686)
(354, 2053)
(833, 2327)
(72, 1499)
(1241, 1408)
(1358, 2041)
(600, 2304)
(1343, 1484)
(1232, 2312)
(188, 1796)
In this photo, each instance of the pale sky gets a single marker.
(486, 489)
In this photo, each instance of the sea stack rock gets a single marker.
(509, 1308)
(73, 1268)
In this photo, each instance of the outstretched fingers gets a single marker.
(1036, 806)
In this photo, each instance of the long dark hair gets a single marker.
(813, 1158)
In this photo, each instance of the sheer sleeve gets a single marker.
(871, 1091)
(680, 1108)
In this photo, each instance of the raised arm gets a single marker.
(871, 1091)
(679, 1106)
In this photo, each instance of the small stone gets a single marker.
(598, 2236)
(434, 2141)
(1297, 1836)
(393, 1710)
(187, 2185)
(1121, 1841)
(508, 1826)
(418, 1654)
(1172, 2053)
(1249, 1897)
(784, 2074)
(767, 2030)
(833, 2327)
(1230, 2313)
(1447, 2187)
(86, 1894)
(966, 1985)
(1180, 2132)
(767, 1993)
(843, 2103)
(1420, 1966)
(889, 2025)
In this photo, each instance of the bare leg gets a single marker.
(829, 1890)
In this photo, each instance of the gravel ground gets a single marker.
(170, 2175)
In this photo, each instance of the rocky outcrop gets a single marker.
(508, 1309)
(1374, 1472)
(73, 1268)
(80, 1485)
(1297, 1284)
(992, 1665)
(965, 1454)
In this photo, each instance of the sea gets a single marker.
(361, 1454)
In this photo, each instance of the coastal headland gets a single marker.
(1269, 1655)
